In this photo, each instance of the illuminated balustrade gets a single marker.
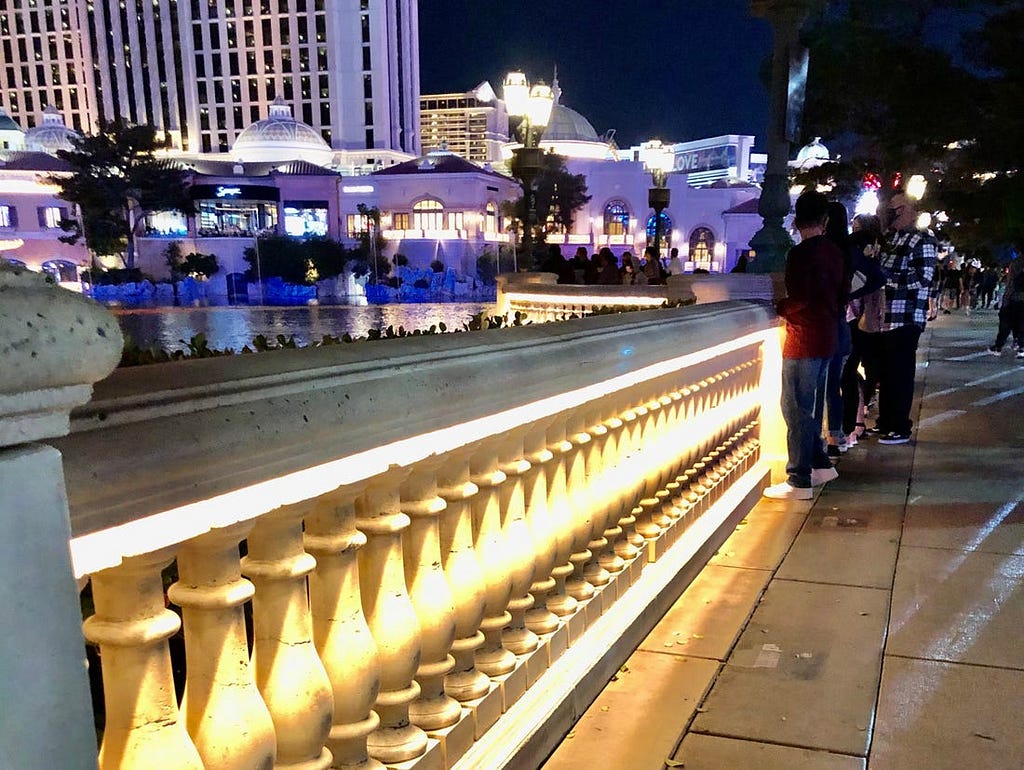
(419, 550)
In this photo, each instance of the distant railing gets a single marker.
(441, 538)
(542, 298)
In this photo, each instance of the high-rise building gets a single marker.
(472, 124)
(202, 70)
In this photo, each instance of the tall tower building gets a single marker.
(202, 70)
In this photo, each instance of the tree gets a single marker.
(895, 105)
(277, 256)
(116, 180)
(327, 256)
(557, 195)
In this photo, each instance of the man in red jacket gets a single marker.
(814, 287)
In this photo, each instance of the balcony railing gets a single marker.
(414, 552)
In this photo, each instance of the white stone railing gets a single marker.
(542, 298)
(449, 542)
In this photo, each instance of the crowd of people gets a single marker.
(858, 298)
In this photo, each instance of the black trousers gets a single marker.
(897, 371)
(1011, 320)
(864, 352)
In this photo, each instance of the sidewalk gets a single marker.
(878, 625)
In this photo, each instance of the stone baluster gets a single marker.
(224, 713)
(488, 540)
(392, 620)
(131, 626)
(518, 542)
(561, 513)
(593, 572)
(609, 558)
(581, 502)
(628, 544)
(289, 673)
(543, 531)
(465, 578)
(648, 472)
(431, 597)
(340, 631)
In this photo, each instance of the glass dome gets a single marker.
(51, 135)
(280, 137)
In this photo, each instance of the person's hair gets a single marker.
(836, 228)
(811, 209)
(607, 254)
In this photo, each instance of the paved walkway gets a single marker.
(878, 626)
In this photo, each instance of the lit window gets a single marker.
(400, 221)
(7, 218)
(491, 219)
(50, 217)
(428, 215)
(616, 218)
(666, 229)
(702, 246)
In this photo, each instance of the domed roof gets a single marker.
(814, 153)
(567, 125)
(50, 135)
(280, 137)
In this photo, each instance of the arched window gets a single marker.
(491, 218)
(428, 214)
(702, 248)
(616, 218)
(666, 229)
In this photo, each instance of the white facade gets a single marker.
(201, 72)
(473, 124)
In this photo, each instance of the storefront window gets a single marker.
(166, 224)
(305, 218)
(491, 219)
(236, 218)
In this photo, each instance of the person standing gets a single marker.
(1011, 310)
(814, 281)
(908, 261)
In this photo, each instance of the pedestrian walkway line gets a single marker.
(998, 397)
(970, 384)
(935, 419)
(968, 357)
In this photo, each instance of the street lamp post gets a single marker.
(532, 105)
(772, 242)
(659, 196)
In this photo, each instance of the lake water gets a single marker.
(234, 327)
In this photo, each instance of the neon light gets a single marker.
(228, 192)
(355, 189)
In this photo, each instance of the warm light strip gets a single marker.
(585, 299)
(106, 548)
(545, 697)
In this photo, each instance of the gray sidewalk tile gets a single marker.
(847, 543)
(944, 715)
(958, 606)
(967, 526)
(636, 721)
(709, 752)
(765, 535)
(708, 618)
(805, 670)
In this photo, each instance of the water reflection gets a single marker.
(234, 327)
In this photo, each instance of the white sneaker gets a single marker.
(851, 440)
(821, 476)
(786, 491)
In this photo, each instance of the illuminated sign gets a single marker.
(228, 192)
(355, 189)
(707, 159)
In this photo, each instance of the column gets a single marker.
(223, 709)
(392, 620)
(340, 631)
(431, 598)
(289, 673)
(465, 578)
(131, 626)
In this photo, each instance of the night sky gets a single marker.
(670, 69)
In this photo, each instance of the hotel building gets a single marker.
(202, 71)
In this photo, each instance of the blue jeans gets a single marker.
(802, 380)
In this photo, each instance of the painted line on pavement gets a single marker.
(972, 383)
(998, 397)
(935, 419)
(969, 356)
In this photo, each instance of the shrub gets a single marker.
(437, 266)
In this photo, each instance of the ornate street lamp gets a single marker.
(785, 103)
(532, 105)
(659, 195)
